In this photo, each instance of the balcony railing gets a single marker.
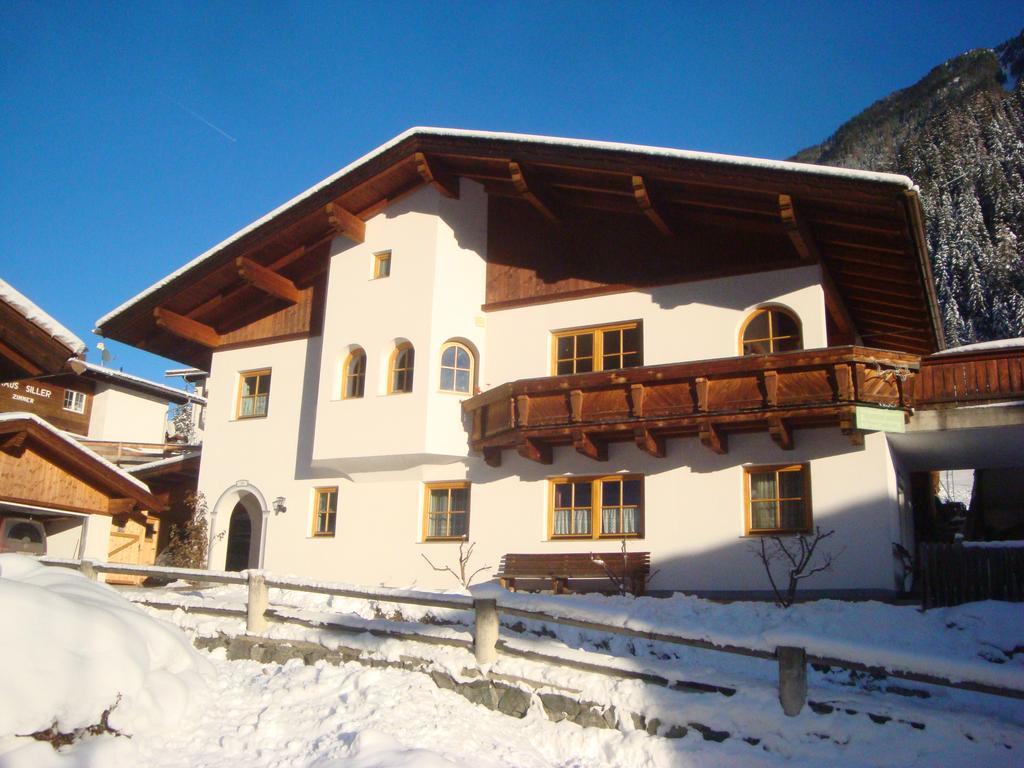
(969, 378)
(707, 398)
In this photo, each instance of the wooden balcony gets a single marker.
(709, 399)
(971, 378)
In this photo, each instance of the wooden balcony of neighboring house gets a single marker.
(709, 399)
(972, 377)
(127, 454)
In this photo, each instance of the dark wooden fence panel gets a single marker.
(952, 574)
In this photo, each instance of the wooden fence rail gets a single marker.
(952, 574)
(486, 643)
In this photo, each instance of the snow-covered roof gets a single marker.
(736, 161)
(28, 309)
(984, 346)
(137, 382)
(179, 459)
(73, 443)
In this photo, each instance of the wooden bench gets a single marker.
(630, 569)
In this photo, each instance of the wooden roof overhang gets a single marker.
(27, 349)
(123, 494)
(708, 399)
(864, 230)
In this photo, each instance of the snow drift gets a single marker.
(73, 648)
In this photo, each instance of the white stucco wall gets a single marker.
(433, 295)
(127, 416)
(381, 449)
(687, 321)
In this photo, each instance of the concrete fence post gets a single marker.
(256, 606)
(792, 679)
(88, 570)
(485, 634)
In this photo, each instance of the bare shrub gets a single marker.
(799, 554)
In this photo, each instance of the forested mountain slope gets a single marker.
(959, 134)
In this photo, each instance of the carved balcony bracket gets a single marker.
(492, 457)
(781, 434)
(649, 442)
(846, 424)
(534, 450)
(713, 438)
(589, 446)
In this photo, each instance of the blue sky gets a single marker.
(137, 135)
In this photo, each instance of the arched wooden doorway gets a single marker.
(239, 539)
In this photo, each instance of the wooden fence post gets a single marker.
(485, 633)
(256, 606)
(792, 678)
(86, 567)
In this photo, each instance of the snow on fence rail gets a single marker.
(792, 661)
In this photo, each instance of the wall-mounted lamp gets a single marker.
(279, 507)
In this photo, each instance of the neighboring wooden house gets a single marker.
(85, 502)
(554, 346)
(117, 420)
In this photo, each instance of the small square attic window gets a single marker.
(381, 265)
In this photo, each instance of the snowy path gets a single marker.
(270, 716)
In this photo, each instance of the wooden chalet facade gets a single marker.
(553, 346)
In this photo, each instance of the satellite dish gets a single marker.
(105, 355)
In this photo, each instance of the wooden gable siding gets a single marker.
(530, 259)
(302, 319)
(29, 395)
(34, 478)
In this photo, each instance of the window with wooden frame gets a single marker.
(771, 329)
(598, 348)
(446, 511)
(778, 499)
(355, 374)
(325, 511)
(596, 507)
(456, 368)
(381, 265)
(253, 394)
(74, 401)
(402, 361)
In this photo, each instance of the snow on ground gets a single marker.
(355, 716)
(72, 648)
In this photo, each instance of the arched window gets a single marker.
(456, 368)
(355, 374)
(402, 360)
(771, 329)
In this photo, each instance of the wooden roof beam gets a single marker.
(20, 360)
(445, 183)
(519, 182)
(186, 328)
(796, 228)
(267, 280)
(642, 195)
(14, 443)
(805, 245)
(345, 223)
